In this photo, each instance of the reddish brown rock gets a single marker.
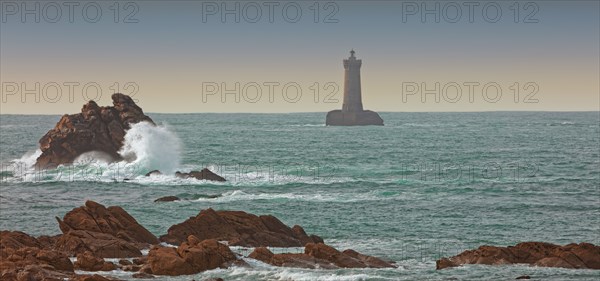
(290, 260)
(94, 277)
(94, 129)
(319, 256)
(190, 258)
(113, 220)
(88, 262)
(239, 229)
(142, 275)
(204, 174)
(16, 240)
(30, 263)
(369, 261)
(100, 244)
(106, 232)
(583, 255)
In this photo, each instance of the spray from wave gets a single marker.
(152, 148)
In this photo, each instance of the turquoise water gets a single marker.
(425, 185)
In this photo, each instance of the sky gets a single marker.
(286, 56)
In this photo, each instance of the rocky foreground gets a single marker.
(93, 232)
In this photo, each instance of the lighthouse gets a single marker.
(352, 95)
(352, 113)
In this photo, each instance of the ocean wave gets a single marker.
(338, 197)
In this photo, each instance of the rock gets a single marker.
(30, 263)
(140, 261)
(113, 220)
(34, 272)
(106, 232)
(142, 275)
(239, 229)
(125, 262)
(153, 172)
(190, 257)
(523, 277)
(167, 199)
(96, 128)
(321, 256)
(17, 240)
(370, 261)
(132, 268)
(100, 244)
(205, 174)
(583, 255)
(94, 277)
(88, 262)
(290, 260)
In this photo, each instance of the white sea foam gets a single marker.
(152, 147)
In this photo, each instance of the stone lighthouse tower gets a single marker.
(352, 95)
(352, 113)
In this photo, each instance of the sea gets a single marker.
(422, 187)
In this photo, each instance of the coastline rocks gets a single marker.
(94, 129)
(106, 232)
(204, 174)
(319, 255)
(190, 257)
(583, 255)
(239, 229)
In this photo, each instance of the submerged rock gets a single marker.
(96, 128)
(583, 255)
(153, 172)
(204, 174)
(167, 199)
(239, 229)
(190, 257)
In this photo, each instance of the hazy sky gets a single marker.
(179, 56)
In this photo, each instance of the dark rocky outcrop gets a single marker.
(167, 199)
(239, 229)
(96, 128)
(321, 256)
(106, 232)
(153, 172)
(204, 174)
(192, 256)
(583, 255)
(353, 118)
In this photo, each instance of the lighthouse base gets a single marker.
(353, 118)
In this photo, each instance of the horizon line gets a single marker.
(305, 112)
